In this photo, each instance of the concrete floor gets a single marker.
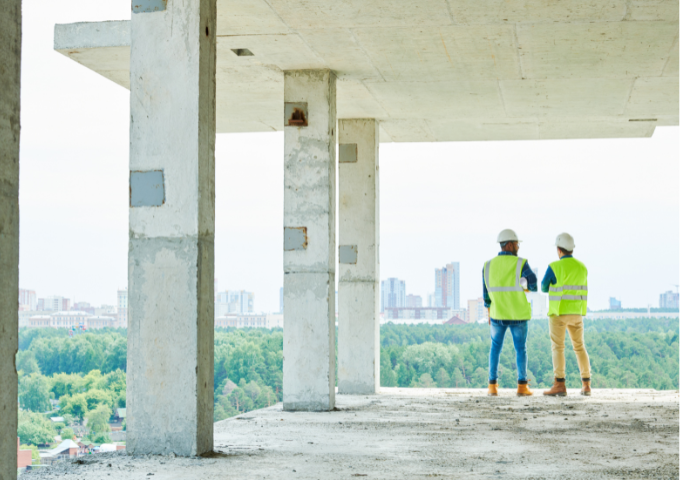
(417, 433)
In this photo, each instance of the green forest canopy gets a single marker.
(86, 373)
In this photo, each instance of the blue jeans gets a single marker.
(519, 330)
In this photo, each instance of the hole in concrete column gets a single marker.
(207, 31)
(242, 52)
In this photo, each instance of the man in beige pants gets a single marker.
(566, 282)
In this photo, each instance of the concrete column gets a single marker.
(309, 241)
(172, 227)
(10, 76)
(359, 322)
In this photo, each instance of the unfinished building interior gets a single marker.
(333, 76)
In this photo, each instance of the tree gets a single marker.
(121, 401)
(66, 384)
(98, 423)
(240, 400)
(442, 378)
(34, 393)
(266, 397)
(66, 433)
(479, 378)
(458, 380)
(35, 429)
(252, 389)
(425, 381)
(27, 363)
(75, 405)
(97, 397)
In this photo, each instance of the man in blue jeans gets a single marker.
(506, 279)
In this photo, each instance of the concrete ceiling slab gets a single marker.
(640, 10)
(461, 130)
(362, 13)
(437, 70)
(284, 52)
(671, 68)
(579, 128)
(461, 99)
(340, 48)
(605, 50)
(414, 130)
(442, 53)
(566, 97)
(256, 95)
(653, 97)
(248, 17)
(471, 12)
(354, 100)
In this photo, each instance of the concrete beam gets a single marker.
(10, 79)
(309, 240)
(358, 321)
(172, 229)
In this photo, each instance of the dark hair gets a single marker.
(565, 252)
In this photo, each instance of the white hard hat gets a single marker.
(507, 235)
(565, 241)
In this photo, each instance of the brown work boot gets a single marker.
(585, 389)
(523, 389)
(493, 390)
(559, 389)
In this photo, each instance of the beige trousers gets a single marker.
(558, 326)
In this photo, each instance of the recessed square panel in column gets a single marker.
(348, 153)
(147, 189)
(295, 238)
(348, 254)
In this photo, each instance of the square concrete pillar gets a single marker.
(359, 267)
(10, 76)
(309, 241)
(172, 225)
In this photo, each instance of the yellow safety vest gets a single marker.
(508, 300)
(569, 296)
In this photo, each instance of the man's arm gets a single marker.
(485, 293)
(548, 279)
(532, 281)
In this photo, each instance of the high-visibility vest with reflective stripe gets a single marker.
(508, 300)
(569, 296)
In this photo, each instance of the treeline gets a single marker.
(635, 353)
(87, 372)
(51, 350)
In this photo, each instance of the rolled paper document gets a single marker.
(523, 283)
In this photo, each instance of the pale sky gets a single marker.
(440, 202)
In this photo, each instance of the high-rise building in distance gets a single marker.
(53, 304)
(614, 304)
(28, 300)
(447, 286)
(668, 300)
(122, 308)
(392, 293)
(234, 301)
(414, 301)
